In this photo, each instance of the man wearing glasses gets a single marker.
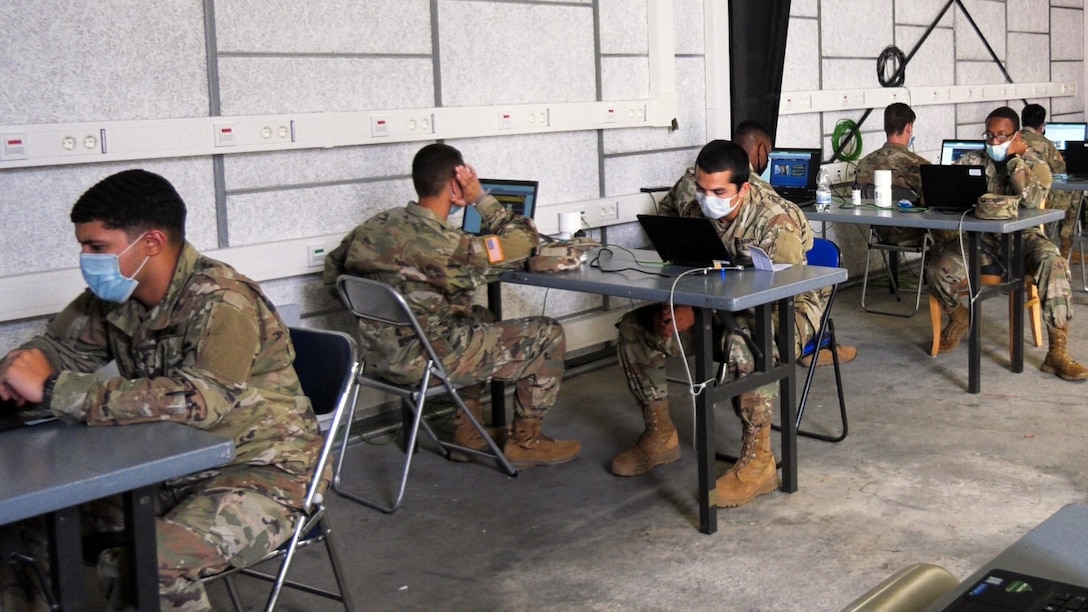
(1012, 168)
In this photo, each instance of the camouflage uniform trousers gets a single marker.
(528, 350)
(947, 275)
(642, 354)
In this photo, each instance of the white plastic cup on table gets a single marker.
(569, 223)
(882, 191)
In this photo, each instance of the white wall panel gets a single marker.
(1027, 16)
(629, 174)
(261, 217)
(624, 27)
(1029, 56)
(804, 8)
(687, 26)
(262, 170)
(923, 12)
(1069, 71)
(485, 65)
(691, 115)
(324, 26)
(849, 73)
(111, 59)
(867, 41)
(801, 70)
(1066, 34)
(934, 62)
(274, 85)
(989, 16)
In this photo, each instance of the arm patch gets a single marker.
(495, 253)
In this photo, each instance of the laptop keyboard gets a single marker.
(1007, 590)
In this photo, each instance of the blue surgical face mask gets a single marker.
(714, 207)
(998, 153)
(102, 273)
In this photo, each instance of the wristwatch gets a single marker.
(47, 389)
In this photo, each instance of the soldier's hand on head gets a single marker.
(470, 185)
(1017, 145)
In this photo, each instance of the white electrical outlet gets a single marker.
(315, 255)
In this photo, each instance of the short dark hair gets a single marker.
(897, 116)
(432, 168)
(721, 155)
(750, 128)
(133, 201)
(1004, 112)
(1033, 115)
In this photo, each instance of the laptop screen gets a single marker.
(517, 196)
(1059, 133)
(951, 150)
(793, 168)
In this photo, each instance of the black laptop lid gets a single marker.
(685, 241)
(792, 173)
(518, 196)
(1076, 157)
(952, 188)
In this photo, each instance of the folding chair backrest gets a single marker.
(379, 302)
(326, 363)
(823, 253)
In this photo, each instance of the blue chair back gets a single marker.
(823, 253)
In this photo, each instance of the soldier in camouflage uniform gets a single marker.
(903, 163)
(438, 268)
(195, 342)
(1014, 169)
(1033, 119)
(744, 217)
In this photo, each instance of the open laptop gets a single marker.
(518, 196)
(951, 150)
(685, 241)
(1076, 159)
(1008, 590)
(792, 173)
(952, 189)
(1060, 132)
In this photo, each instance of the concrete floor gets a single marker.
(928, 473)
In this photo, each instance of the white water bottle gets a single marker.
(823, 190)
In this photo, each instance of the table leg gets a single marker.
(704, 421)
(974, 353)
(66, 558)
(498, 388)
(140, 533)
(1016, 263)
(786, 394)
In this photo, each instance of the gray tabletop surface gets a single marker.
(737, 290)
(56, 465)
(870, 215)
(1056, 549)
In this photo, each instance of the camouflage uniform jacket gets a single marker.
(1059, 200)
(895, 157)
(436, 267)
(1025, 175)
(680, 202)
(214, 355)
(766, 220)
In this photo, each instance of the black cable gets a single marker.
(892, 54)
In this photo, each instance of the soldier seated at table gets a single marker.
(194, 342)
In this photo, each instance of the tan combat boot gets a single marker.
(527, 447)
(754, 473)
(959, 321)
(1058, 361)
(657, 445)
(465, 434)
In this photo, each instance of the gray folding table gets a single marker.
(736, 291)
(52, 468)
